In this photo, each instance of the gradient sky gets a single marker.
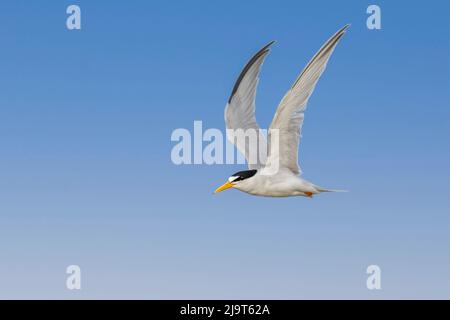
(86, 176)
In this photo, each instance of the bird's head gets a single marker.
(236, 179)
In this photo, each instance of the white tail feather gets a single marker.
(330, 190)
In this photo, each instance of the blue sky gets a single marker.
(85, 124)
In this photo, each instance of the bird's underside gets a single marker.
(284, 184)
(277, 173)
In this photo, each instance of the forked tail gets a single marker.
(330, 190)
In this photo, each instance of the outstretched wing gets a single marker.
(288, 119)
(240, 111)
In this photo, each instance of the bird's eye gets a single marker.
(233, 178)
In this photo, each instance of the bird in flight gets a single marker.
(261, 179)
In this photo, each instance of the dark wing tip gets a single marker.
(330, 44)
(249, 64)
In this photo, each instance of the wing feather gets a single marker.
(240, 111)
(288, 119)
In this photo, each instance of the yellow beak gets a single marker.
(225, 186)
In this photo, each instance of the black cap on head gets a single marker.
(242, 175)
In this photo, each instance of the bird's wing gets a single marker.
(288, 118)
(240, 111)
